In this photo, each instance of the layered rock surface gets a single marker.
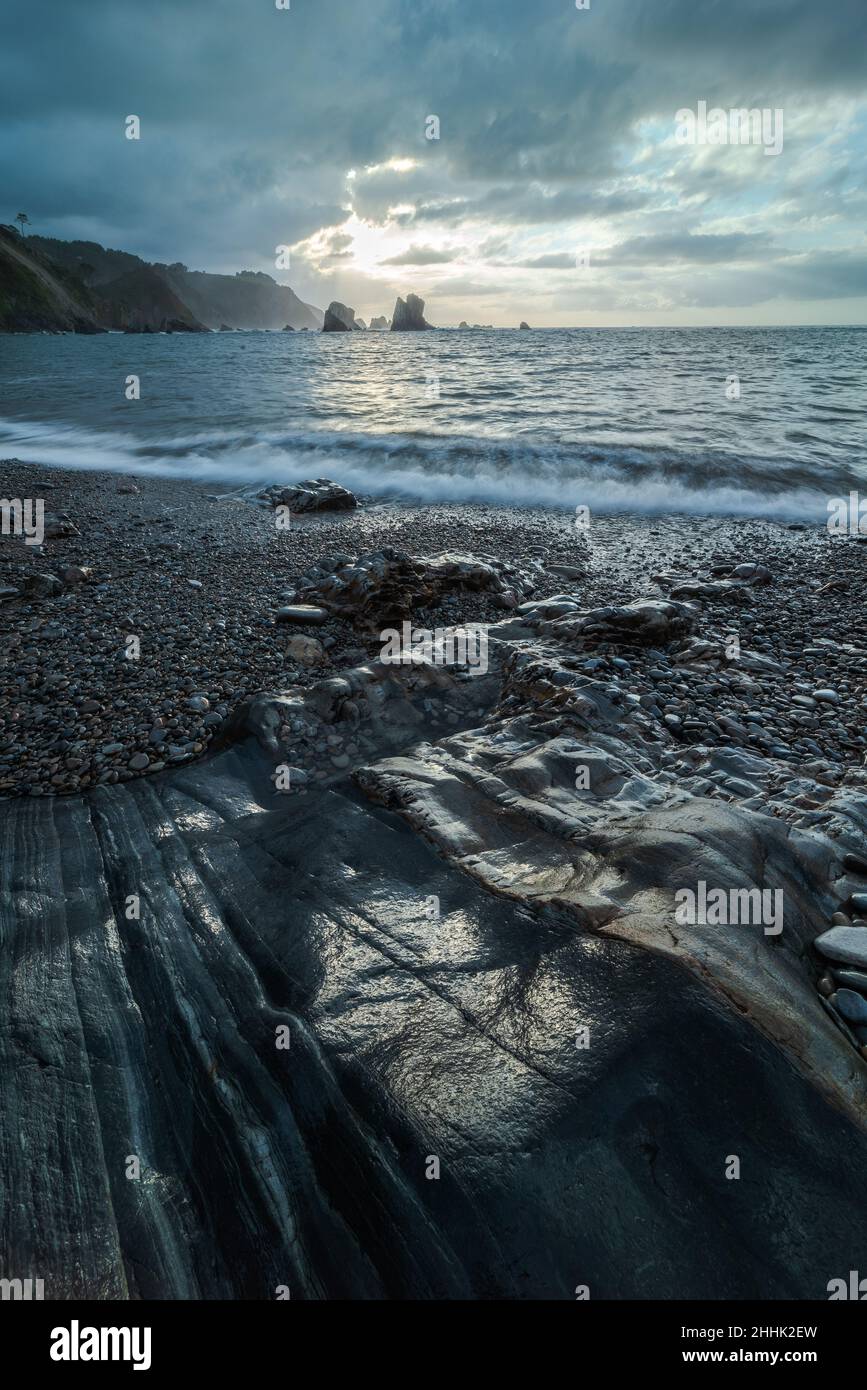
(431, 928)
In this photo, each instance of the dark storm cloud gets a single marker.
(251, 117)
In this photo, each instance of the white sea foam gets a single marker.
(440, 469)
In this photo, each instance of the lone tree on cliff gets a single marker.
(23, 221)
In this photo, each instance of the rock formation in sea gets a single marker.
(524, 325)
(381, 323)
(409, 315)
(359, 323)
(339, 318)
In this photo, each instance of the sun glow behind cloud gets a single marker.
(556, 135)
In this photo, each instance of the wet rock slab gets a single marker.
(429, 943)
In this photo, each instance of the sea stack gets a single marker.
(409, 315)
(524, 325)
(339, 318)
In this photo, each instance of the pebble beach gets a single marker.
(199, 578)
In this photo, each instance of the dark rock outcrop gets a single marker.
(409, 315)
(524, 325)
(315, 495)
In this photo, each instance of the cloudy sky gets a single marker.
(557, 190)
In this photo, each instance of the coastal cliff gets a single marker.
(75, 286)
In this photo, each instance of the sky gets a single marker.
(560, 189)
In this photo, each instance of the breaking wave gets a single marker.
(452, 468)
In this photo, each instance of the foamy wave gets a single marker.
(447, 468)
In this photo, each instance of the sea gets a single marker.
(764, 422)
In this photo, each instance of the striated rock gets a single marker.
(359, 323)
(278, 900)
(409, 315)
(339, 318)
(314, 495)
